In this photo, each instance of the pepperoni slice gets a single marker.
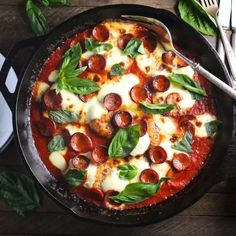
(95, 195)
(109, 202)
(87, 97)
(122, 119)
(168, 57)
(46, 127)
(96, 63)
(123, 40)
(173, 98)
(149, 176)
(160, 83)
(80, 162)
(138, 94)
(99, 154)
(187, 126)
(112, 101)
(181, 161)
(100, 32)
(143, 127)
(80, 142)
(150, 42)
(52, 100)
(180, 62)
(157, 154)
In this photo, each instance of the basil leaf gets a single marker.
(57, 143)
(94, 45)
(18, 191)
(52, 3)
(37, 20)
(156, 108)
(80, 86)
(186, 82)
(127, 171)
(185, 145)
(117, 69)
(124, 141)
(195, 15)
(138, 192)
(212, 127)
(196, 96)
(63, 116)
(75, 177)
(134, 47)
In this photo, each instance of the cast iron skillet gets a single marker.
(186, 38)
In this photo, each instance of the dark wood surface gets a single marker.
(214, 214)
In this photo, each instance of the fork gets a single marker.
(212, 9)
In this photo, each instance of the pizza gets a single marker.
(120, 121)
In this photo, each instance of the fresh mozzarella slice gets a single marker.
(53, 76)
(161, 169)
(187, 70)
(39, 89)
(57, 159)
(91, 175)
(141, 146)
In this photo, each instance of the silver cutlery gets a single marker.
(166, 40)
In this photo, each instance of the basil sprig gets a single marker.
(185, 145)
(195, 15)
(138, 192)
(63, 116)
(52, 3)
(212, 127)
(94, 45)
(124, 141)
(134, 48)
(186, 82)
(68, 73)
(75, 177)
(57, 143)
(18, 191)
(127, 171)
(37, 20)
(117, 69)
(156, 108)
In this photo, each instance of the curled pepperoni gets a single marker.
(157, 154)
(173, 98)
(122, 119)
(149, 42)
(112, 101)
(96, 63)
(185, 124)
(181, 161)
(94, 195)
(160, 83)
(108, 202)
(143, 127)
(99, 154)
(138, 94)
(149, 176)
(80, 142)
(100, 32)
(46, 127)
(52, 100)
(80, 162)
(168, 57)
(123, 40)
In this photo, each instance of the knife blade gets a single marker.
(233, 25)
(224, 18)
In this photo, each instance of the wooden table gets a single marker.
(214, 214)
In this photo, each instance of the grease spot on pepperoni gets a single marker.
(46, 127)
(80, 142)
(123, 40)
(122, 119)
(96, 63)
(52, 100)
(168, 57)
(160, 83)
(149, 176)
(100, 32)
(112, 101)
(139, 94)
(80, 162)
(181, 161)
(99, 154)
(157, 154)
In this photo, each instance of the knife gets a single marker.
(224, 17)
(233, 25)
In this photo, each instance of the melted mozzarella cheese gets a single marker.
(121, 87)
(166, 144)
(75, 129)
(201, 120)
(187, 70)
(142, 145)
(57, 159)
(40, 89)
(161, 169)
(91, 175)
(53, 76)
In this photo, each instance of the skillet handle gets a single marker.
(33, 44)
